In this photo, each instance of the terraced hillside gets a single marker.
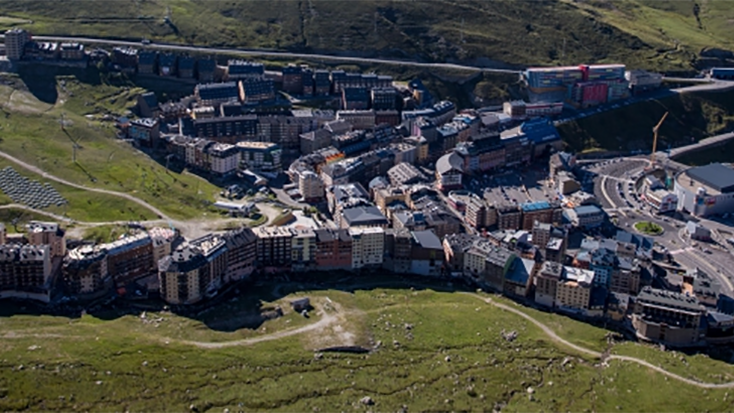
(654, 34)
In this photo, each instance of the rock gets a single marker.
(145, 363)
(408, 326)
(378, 344)
(193, 408)
(225, 410)
(367, 401)
(447, 359)
(318, 356)
(530, 390)
(98, 382)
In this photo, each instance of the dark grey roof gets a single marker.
(669, 299)
(448, 162)
(364, 215)
(715, 175)
(520, 271)
(427, 239)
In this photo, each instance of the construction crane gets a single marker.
(655, 139)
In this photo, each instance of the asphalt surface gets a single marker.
(715, 261)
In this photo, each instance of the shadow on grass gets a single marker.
(40, 79)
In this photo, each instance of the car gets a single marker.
(145, 41)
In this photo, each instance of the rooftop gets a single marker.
(364, 215)
(715, 176)
(669, 299)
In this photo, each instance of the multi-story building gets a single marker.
(72, 51)
(125, 58)
(129, 258)
(162, 240)
(546, 283)
(333, 249)
(586, 216)
(26, 271)
(186, 66)
(405, 174)
(449, 171)
(315, 140)
(205, 69)
(15, 41)
(214, 94)
(214, 250)
(293, 79)
(274, 247)
(541, 211)
(145, 132)
(355, 98)
(229, 129)
(183, 276)
(47, 233)
(167, 63)
(667, 317)
(257, 89)
(476, 213)
(426, 256)
(303, 249)
(85, 272)
(573, 291)
(147, 60)
(398, 249)
(454, 247)
(359, 119)
(311, 186)
(241, 253)
(260, 156)
(368, 247)
(508, 217)
(519, 277)
(322, 83)
(384, 98)
(242, 69)
(625, 278)
(224, 159)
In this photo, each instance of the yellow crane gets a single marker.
(655, 139)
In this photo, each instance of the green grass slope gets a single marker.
(439, 351)
(33, 105)
(692, 116)
(643, 33)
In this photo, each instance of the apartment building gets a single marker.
(625, 279)
(454, 248)
(26, 271)
(47, 233)
(573, 291)
(257, 89)
(274, 246)
(333, 249)
(214, 94)
(224, 159)
(214, 250)
(508, 217)
(311, 187)
(85, 272)
(368, 247)
(546, 283)
(183, 276)
(426, 255)
(519, 277)
(72, 51)
(144, 132)
(162, 240)
(129, 258)
(228, 129)
(667, 317)
(15, 41)
(303, 249)
(243, 69)
(260, 156)
(398, 250)
(241, 253)
(541, 211)
(360, 119)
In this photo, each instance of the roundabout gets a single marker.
(648, 228)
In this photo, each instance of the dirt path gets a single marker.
(325, 321)
(46, 175)
(554, 337)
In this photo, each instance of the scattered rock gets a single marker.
(193, 408)
(33, 347)
(145, 363)
(367, 401)
(511, 336)
(447, 359)
(98, 382)
(530, 390)
(318, 356)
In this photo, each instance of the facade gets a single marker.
(144, 132)
(229, 129)
(663, 201)
(129, 258)
(260, 156)
(587, 216)
(333, 249)
(257, 89)
(224, 159)
(274, 247)
(72, 51)
(303, 249)
(15, 41)
(241, 253)
(47, 233)
(573, 291)
(359, 119)
(706, 190)
(509, 217)
(368, 247)
(641, 81)
(183, 276)
(541, 211)
(667, 317)
(546, 283)
(85, 272)
(310, 186)
(162, 239)
(426, 256)
(242, 69)
(449, 171)
(26, 271)
(214, 94)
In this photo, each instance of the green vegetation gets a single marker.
(434, 351)
(722, 153)
(15, 219)
(642, 33)
(84, 205)
(33, 105)
(649, 228)
(693, 116)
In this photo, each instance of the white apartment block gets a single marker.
(368, 247)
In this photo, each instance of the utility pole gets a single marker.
(563, 52)
(461, 32)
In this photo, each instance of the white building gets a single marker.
(260, 156)
(368, 247)
(586, 216)
(310, 186)
(224, 158)
(706, 190)
(663, 201)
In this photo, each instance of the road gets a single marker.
(702, 144)
(265, 52)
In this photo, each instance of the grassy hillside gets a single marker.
(644, 33)
(433, 351)
(693, 116)
(34, 103)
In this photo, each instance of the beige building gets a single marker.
(47, 233)
(162, 239)
(15, 41)
(368, 247)
(573, 291)
(546, 283)
(303, 249)
(310, 186)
